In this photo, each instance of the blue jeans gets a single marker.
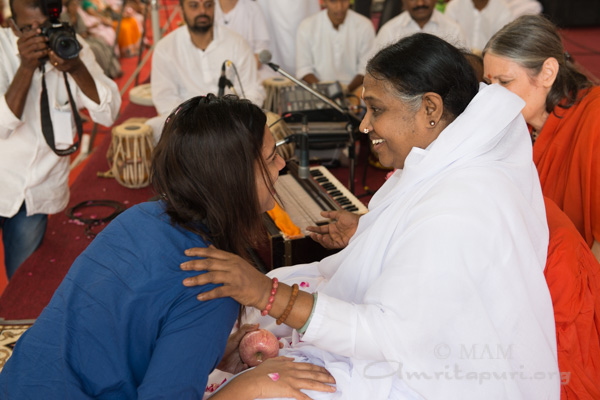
(21, 236)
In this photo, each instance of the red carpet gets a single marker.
(3, 280)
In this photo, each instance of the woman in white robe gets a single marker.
(440, 292)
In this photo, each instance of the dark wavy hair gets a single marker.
(423, 63)
(529, 41)
(204, 167)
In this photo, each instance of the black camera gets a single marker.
(61, 36)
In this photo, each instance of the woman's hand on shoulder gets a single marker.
(337, 233)
(239, 279)
(278, 377)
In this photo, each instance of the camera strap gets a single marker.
(47, 128)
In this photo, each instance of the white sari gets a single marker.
(440, 293)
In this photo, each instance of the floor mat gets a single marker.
(10, 332)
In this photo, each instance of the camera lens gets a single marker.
(67, 48)
(64, 46)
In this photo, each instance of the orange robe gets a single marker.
(573, 276)
(129, 36)
(567, 156)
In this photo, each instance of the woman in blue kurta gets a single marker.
(121, 325)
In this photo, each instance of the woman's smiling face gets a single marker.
(394, 126)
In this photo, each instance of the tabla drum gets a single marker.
(280, 130)
(130, 154)
(141, 95)
(273, 88)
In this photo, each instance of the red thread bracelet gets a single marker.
(272, 298)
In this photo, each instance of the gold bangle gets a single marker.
(288, 309)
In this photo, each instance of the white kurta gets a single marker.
(283, 18)
(403, 25)
(247, 19)
(524, 7)
(479, 26)
(29, 170)
(181, 71)
(334, 54)
(440, 292)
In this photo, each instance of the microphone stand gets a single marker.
(352, 119)
(304, 170)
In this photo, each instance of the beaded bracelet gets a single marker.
(288, 309)
(272, 298)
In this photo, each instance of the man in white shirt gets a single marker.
(246, 18)
(33, 178)
(333, 45)
(419, 16)
(479, 19)
(283, 18)
(190, 60)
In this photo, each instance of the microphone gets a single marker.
(301, 140)
(223, 81)
(265, 58)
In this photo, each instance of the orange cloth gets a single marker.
(129, 35)
(283, 222)
(573, 276)
(567, 156)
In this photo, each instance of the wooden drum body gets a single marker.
(273, 88)
(130, 154)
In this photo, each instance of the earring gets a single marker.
(432, 123)
(366, 131)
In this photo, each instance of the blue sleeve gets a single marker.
(188, 349)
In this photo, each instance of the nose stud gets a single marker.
(366, 131)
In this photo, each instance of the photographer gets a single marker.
(33, 177)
